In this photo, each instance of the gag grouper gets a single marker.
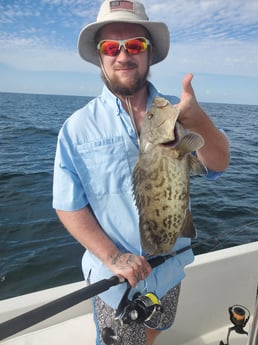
(161, 178)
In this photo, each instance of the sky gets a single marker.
(216, 40)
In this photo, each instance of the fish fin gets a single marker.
(188, 228)
(196, 166)
(190, 142)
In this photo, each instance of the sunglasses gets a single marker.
(133, 46)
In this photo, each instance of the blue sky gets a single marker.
(216, 40)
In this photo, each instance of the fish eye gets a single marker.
(150, 116)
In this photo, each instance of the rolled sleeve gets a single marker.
(213, 175)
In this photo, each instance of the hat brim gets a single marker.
(159, 36)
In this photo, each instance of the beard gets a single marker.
(128, 89)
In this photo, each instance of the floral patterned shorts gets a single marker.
(135, 333)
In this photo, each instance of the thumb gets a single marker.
(187, 86)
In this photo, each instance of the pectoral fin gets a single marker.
(190, 142)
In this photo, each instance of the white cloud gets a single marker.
(212, 37)
(218, 57)
(199, 19)
(35, 55)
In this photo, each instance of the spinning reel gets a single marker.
(239, 316)
(141, 309)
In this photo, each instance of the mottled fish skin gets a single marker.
(161, 178)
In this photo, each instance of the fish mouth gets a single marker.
(172, 143)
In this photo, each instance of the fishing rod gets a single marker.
(34, 316)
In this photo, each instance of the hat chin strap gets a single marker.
(130, 111)
(126, 99)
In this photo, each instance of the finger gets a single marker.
(186, 82)
(147, 267)
(136, 278)
(136, 275)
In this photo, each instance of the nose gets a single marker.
(123, 54)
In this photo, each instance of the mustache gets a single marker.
(127, 64)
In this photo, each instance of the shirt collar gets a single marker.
(153, 92)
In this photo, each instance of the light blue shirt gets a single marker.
(96, 153)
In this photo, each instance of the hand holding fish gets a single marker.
(215, 153)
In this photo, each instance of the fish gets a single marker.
(161, 178)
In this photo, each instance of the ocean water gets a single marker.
(36, 252)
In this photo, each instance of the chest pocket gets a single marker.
(103, 166)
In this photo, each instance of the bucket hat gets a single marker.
(125, 12)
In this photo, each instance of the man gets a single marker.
(97, 151)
